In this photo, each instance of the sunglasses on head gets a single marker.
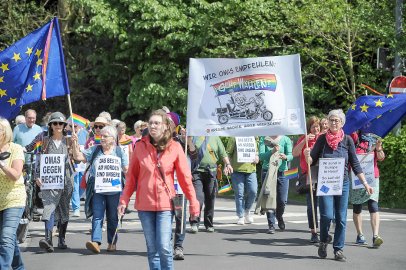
(98, 127)
(58, 123)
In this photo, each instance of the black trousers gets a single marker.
(205, 185)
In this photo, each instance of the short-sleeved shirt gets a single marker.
(117, 152)
(24, 135)
(12, 193)
(214, 151)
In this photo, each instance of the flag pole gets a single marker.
(183, 198)
(71, 113)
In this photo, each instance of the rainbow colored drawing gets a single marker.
(126, 142)
(224, 189)
(37, 147)
(292, 173)
(246, 83)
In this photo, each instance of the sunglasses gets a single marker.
(98, 127)
(58, 123)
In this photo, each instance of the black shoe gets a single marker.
(322, 250)
(61, 236)
(314, 238)
(271, 230)
(127, 211)
(329, 239)
(281, 224)
(47, 242)
(178, 254)
(339, 256)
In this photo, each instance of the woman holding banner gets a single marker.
(313, 131)
(367, 145)
(335, 145)
(151, 175)
(12, 197)
(107, 163)
(55, 178)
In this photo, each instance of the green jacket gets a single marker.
(239, 167)
(265, 152)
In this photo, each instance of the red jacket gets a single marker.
(143, 176)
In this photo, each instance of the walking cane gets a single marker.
(115, 233)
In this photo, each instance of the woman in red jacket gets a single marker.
(151, 174)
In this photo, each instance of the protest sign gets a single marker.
(367, 165)
(246, 150)
(108, 174)
(331, 176)
(52, 171)
(260, 96)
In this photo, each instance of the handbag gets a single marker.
(302, 184)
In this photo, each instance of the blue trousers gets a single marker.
(282, 190)
(180, 237)
(77, 191)
(105, 203)
(9, 250)
(157, 227)
(330, 205)
(245, 187)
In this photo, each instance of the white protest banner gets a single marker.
(367, 165)
(331, 176)
(246, 150)
(260, 96)
(108, 174)
(52, 171)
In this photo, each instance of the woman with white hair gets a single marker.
(138, 130)
(103, 185)
(335, 144)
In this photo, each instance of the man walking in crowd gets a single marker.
(244, 181)
(210, 150)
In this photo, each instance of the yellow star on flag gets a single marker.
(353, 106)
(29, 51)
(364, 108)
(12, 101)
(38, 53)
(28, 88)
(3, 93)
(39, 62)
(2, 79)
(37, 76)
(16, 57)
(379, 103)
(389, 96)
(4, 67)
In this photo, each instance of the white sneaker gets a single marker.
(249, 218)
(76, 213)
(240, 221)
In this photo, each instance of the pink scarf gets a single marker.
(334, 139)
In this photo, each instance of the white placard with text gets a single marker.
(367, 164)
(108, 174)
(246, 150)
(331, 176)
(52, 171)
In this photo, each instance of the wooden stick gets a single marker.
(309, 174)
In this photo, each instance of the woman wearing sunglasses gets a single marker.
(56, 200)
(98, 125)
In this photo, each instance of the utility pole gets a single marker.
(397, 71)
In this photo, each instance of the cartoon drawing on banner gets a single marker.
(245, 97)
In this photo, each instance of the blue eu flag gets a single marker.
(375, 114)
(32, 69)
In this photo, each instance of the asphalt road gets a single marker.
(231, 246)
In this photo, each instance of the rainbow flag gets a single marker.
(292, 173)
(246, 83)
(37, 147)
(97, 139)
(79, 120)
(224, 189)
(126, 142)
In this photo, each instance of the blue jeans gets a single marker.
(329, 205)
(77, 191)
(105, 203)
(180, 237)
(309, 209)
(245, 187)
(9, 250)
(157, 227)
(282, 190)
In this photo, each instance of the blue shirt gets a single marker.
(24, 135)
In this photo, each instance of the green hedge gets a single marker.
(393, 172)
